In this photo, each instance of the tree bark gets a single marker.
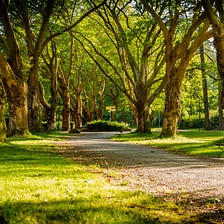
(205, 89)
(50, 111)
(52, 74)
(172, 109)
(66, 114)
(77, 112)
(100, 105)
(217, 22)
(219, 45)
(220, 108)
(89, 107)
(34, 102)
(17, 99)
(3, 128)
(13, 78)
(52, 118)
(144, 123)
(66, 108)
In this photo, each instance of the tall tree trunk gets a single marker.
(52, 71)
(143, 118)
(52, 119)
(89, 107)
(172, 110)
(176, 65)
(16, 91)
(220, 108)
(18, 109)
(3, 128)
(216, 18)
(178, 54)
(50, 111)
(13, 78)
(34, 102)
(219, 45)
(78, 112)
(134, 113)
(66, 111)
(66, 101)
(205, 89)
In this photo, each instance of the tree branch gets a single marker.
(74, 24)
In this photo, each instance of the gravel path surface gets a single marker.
(148, 168)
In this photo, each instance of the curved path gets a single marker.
(148, 168)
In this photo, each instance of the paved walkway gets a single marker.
(148, 168)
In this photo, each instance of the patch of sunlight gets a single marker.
(33, 142)
(178, 140)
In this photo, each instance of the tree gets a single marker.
(13, 75)
(28, 13)
(3, 127)
(94, 93)
(184, 28)
(68, 64)
(205, 89)
(31, 21)
(51, 72)
(215, 12)
(131, 52)
(64, 79)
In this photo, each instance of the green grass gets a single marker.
(39, 186)
(190, 142)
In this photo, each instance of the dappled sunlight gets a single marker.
(121, 208)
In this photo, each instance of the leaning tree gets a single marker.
(184, 26)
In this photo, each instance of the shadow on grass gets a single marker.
(204, 209)
(200, 210)
(72, 211)
(216, 216)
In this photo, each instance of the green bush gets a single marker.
(197, 123)
(99, 125)
(193, 123)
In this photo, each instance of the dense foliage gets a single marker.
(63, 62)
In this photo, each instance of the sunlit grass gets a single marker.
(37, 185)
(192, 142)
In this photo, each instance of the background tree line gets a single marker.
(66, 60)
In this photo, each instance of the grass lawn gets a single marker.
(192, 142)
(39, 186)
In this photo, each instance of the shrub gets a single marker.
(99, 125)
(197, 123)
(193, 123)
